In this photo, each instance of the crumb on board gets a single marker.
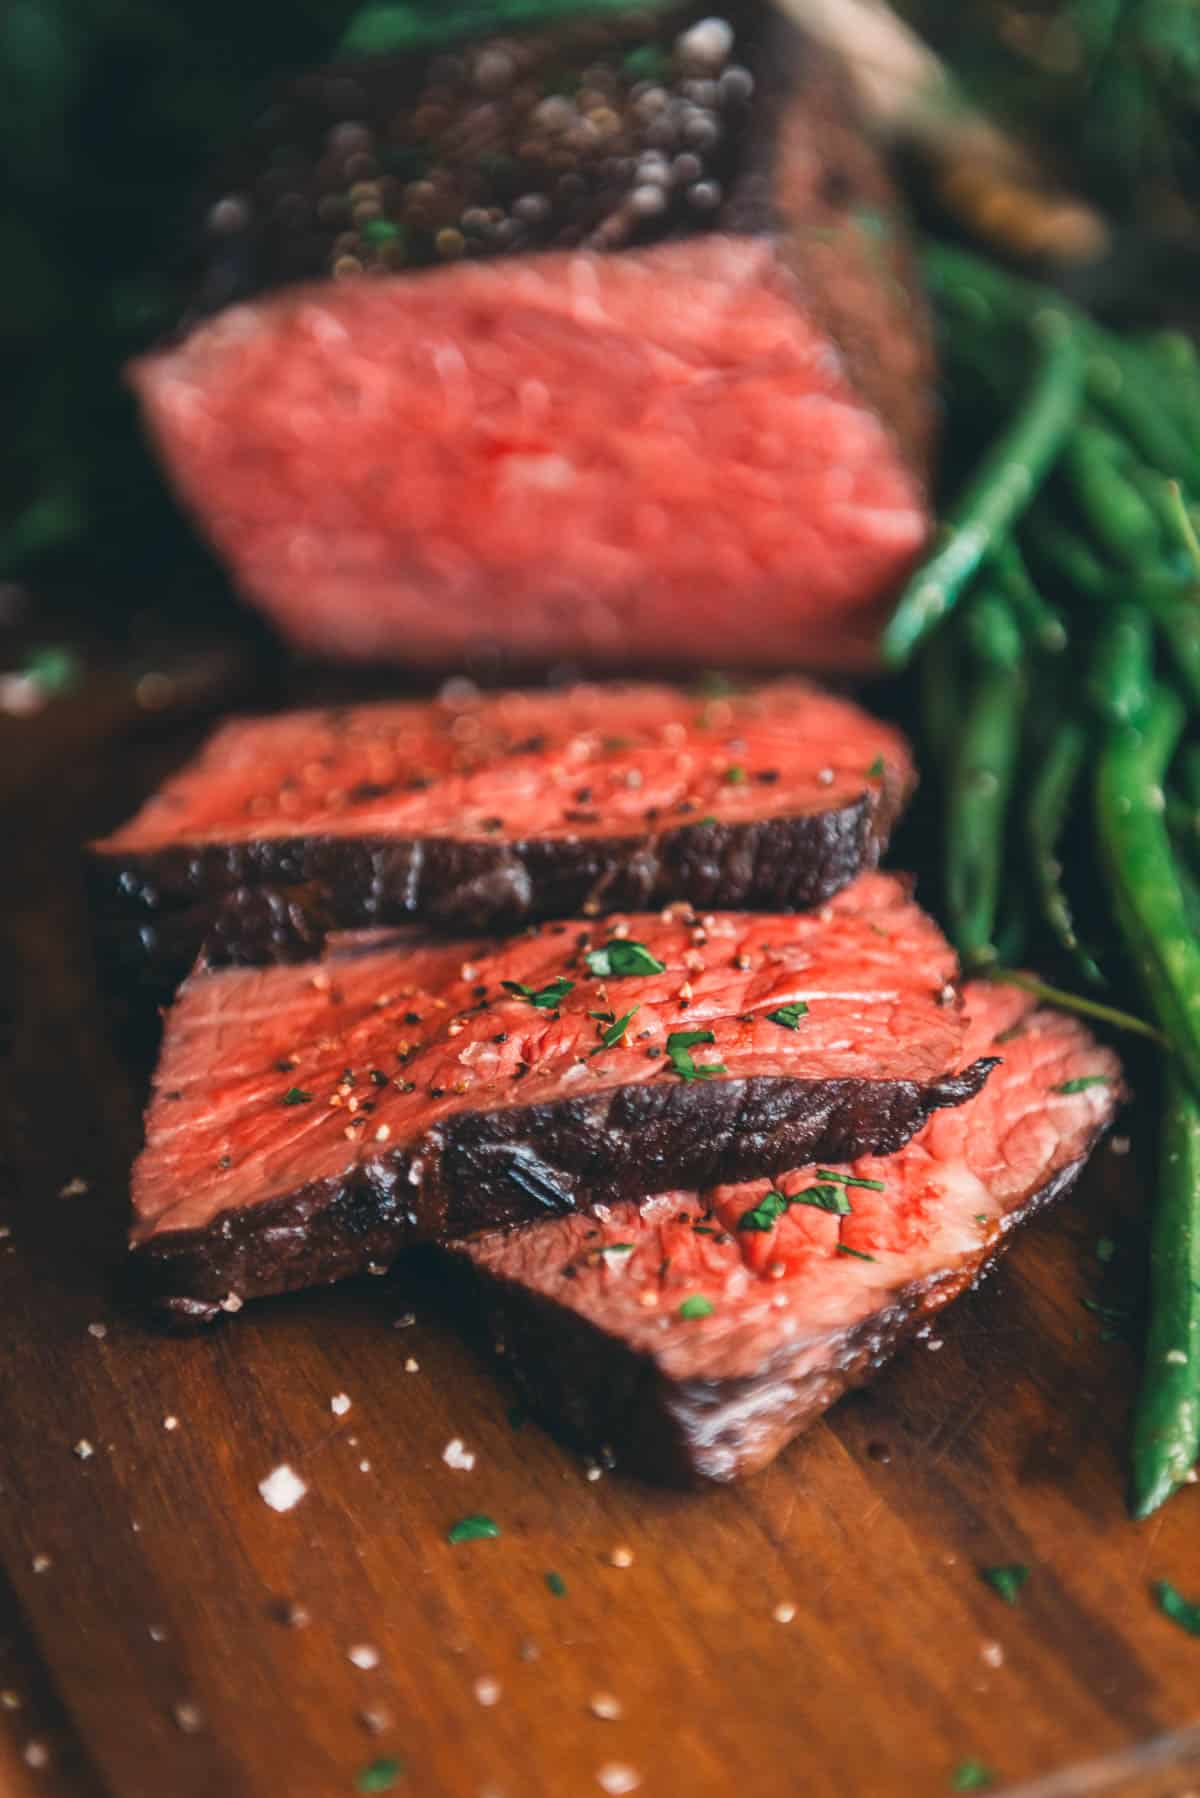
(171, 1422)
(41, 1563)
(231, 1302)
(187, 1716)
(487, 1691)
(363, 1655)
(783, 1613)
(339, 1404)
(282, 1488)
(74, 1189)
(616, 1777)
(411, 1366)
(605, 1706)
(375, 1719)
(456, 1454)
(991, 1654)
(620, 1557)
(83, 1449)
(37, 1754)
(99, 1331)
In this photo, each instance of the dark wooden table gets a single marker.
(822, 1630)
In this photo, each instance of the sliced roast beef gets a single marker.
(310, 1120)
(696, 1334)
(598, 342)
(477, 812)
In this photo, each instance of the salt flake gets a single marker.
(282, 1489)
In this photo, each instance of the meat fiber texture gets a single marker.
(309, 1121)
(474, 812)
(599, 343)
(694, 1345)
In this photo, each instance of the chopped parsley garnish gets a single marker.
(825, 1197)
(696, 1305)
(380, 1775)
(788, 1015)
(843, 1248)
(765, 1214)
(1179, 1609)
(611, 1037)
(709, 819)
(476, 1528)
(680, 1044)
(1081, 1085)
(557, 1584)
(971, 1776)
(735, 775)
(876, 768)
(830, 1173)
(618, 1248)
(544, 997)
(623, 956)
(1106, 1248)
(296, 1096)
(1006, 1580)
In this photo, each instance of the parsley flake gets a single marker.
(788, 1015)
(765, 1214)
(825, 1197)
(544, 997)
(971, 1776)
(1006, 1580)
(1081, 1085)
(623, 956)
(680, 1044)
(52, 669)
(735, 775)
(557, 1584)
(876, 768)
(295, 1096)
(1106, 1248)
(611, 1037)
(843, 1248)
(696, 1305)
(380, 1775)
(1179, 1609)
(476, 1528)
(829, 1173)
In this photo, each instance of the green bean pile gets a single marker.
(1056, 633)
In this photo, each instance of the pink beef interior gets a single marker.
(946, 1196)
(654, 454)
(434, 1017)
(590, 761)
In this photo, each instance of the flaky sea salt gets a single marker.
(84, 1449)
(487, 1691)
(339, 1404)
(457, 1455)
(363, 1655)
(282, 1489)
(616, 1777)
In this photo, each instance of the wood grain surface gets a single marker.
(153, 1656)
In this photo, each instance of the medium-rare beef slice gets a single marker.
(308, 1121)
(597, 342)
(696, 1334)
(479, 812)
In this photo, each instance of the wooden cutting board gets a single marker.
(821, 1630)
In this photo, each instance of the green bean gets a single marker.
(1166, 1423)
(1000, 489)
(1183, 822)
(1050, 799)
(1067, 1001)
(1139, 865)
(1125, 383)
(1115, 511)
(1043, 623)
(980, 783)
(1119, 679)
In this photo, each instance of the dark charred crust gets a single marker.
(527, 1162)
(598, 1393)
(276, 899)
